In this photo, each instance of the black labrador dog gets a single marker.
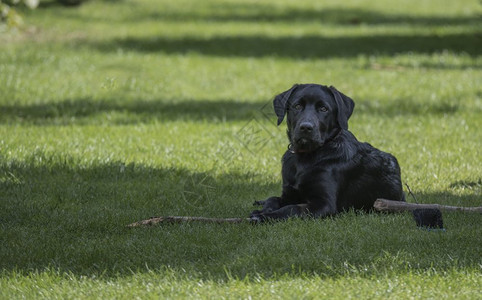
(326, 170)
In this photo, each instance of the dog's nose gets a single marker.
(306, 127)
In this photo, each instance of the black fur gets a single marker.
(326, 169)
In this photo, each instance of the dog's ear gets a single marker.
(280, 103)
(345, 107)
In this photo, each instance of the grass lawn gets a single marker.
(115, 111)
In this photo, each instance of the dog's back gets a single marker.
(367, 175)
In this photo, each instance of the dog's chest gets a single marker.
(306, 177)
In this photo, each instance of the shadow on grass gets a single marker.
(264, 12)
(313, 46)
(49, 4)
(342, 16)
(467, 184)
(86, 111)
(53, 214)
(72, 219)
(79, 110)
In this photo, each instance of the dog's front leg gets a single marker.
(270, 204)
(322, 211)
(294, 210)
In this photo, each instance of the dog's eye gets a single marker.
(323, 109)
(298, 106)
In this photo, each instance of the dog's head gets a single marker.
(314, 114)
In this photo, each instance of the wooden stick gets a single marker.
(380, 205)
(175, 219)
(399, 206)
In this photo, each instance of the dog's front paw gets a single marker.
(259, 203)
(255, 220)
(257, 217)
(255, 213)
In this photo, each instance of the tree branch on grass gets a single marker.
(382, 205)
(176, 219)
(399, 206)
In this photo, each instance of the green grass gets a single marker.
(113, 112)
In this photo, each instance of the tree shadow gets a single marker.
(264, 12)
(56, 214)
(49, 4)
(120, 112)
(313, 46)
(241, 12)
(467, 184)
(302, 47)
(83, 110)
(408, 107)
